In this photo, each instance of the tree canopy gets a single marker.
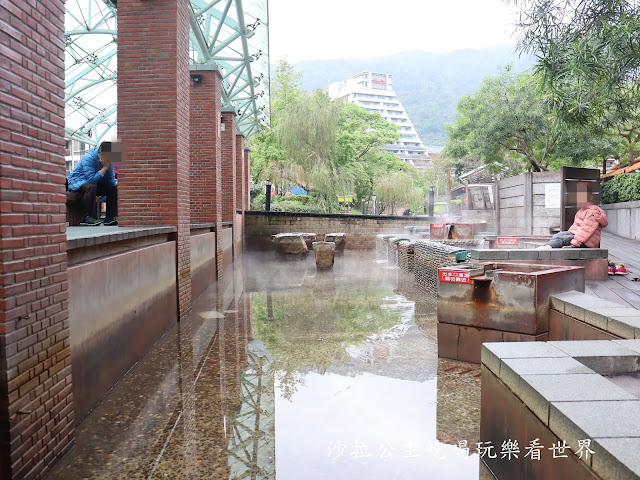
(588, 58)
(508, 118)
(330, 148)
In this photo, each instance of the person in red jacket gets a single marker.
(586, 228)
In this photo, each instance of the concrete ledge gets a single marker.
(619, 321)
(78, 237)
(564, 385)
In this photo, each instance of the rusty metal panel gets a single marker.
(119, 306)
(203, 262)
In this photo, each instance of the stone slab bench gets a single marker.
(594, 260)
(559, 392)
(580, 316)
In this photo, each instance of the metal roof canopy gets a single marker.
(231, 34)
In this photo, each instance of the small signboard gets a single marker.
(508, 241)
(437, 231)
(552, 194)
(455, 276)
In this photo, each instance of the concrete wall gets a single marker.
(521, 204)
(361, 230)
(624, 219)
(119, 306)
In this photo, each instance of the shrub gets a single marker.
(621, 188)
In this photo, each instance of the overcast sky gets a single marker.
(311, 30)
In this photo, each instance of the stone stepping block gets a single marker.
(325, 254)
(340, 239)
(290, 243)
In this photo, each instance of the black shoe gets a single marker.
(89, 222)
(110, 222)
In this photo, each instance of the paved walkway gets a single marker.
(620, 289)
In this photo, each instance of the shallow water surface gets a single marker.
(284, 372)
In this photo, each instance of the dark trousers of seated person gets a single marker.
(88, 193)
(561, 239)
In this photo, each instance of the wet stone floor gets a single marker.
(284, 372)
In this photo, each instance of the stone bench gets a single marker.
(563, 392)
(594, 260)
(340, 240)
(290, 243)
(578, 316)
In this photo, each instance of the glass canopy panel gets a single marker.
(90, 70)
(232, 34)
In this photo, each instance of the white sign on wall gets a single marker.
(552, 195)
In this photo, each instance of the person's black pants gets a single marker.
(88, 193)
(561, 239)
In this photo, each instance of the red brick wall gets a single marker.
(228, 166)
(153, 122)
(240, 173)
(206, 162)
(36, 401)
(247, 170)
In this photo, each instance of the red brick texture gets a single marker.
(228, 166)
(240, 174)
(36, 400)
(247, 170)
(206, 164)
(153, 122)
(239, 217)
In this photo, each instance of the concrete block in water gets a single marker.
(325, 254)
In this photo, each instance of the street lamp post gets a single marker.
(267, 204)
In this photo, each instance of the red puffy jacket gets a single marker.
(587, 225)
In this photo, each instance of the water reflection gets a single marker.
(281, 370)
(356, 388)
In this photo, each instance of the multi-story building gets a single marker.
(374, 92)
(73, 152)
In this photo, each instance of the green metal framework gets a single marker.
(232, 34)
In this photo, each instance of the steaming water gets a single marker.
(289, 373)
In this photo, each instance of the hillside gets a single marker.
(429, 85)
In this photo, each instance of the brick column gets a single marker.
(247, 170)
(153, 122)
(228, 164)
(240, 172)
(206, 164)
(36, 399)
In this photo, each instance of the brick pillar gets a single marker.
(206, 165)
(228, 164)
(247, 173)
(36, 399)
(240, 172)
(153, 122)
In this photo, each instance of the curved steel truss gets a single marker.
(232, 34)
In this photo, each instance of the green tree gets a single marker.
(507, 117)
(395, 191)
(589, 59)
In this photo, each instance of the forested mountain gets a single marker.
(429, 85)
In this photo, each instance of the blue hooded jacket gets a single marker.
(88, 171)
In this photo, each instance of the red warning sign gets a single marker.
(508, 241)
(455, 276)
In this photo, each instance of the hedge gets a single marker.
(621, 188)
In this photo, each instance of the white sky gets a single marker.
(322, 29)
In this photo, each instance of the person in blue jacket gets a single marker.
(92, 176)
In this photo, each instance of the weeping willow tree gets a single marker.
(307, 131)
